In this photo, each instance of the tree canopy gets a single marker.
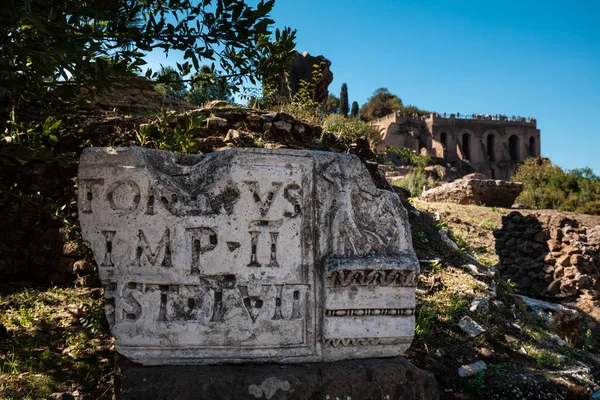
(380, 104)
(59, 46)
(354, 109)
(332, 105)
(170, 83)
(207, 86)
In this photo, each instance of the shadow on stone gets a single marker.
(389, 378)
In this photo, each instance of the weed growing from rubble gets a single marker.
(509, 286)
(545, 358)
(477, 381)
(487, 224)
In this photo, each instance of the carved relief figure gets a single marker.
(364, 220)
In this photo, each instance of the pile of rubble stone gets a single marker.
(475, 189)
(549, 255)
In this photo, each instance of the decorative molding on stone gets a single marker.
(390, 312)
(358, 342)
(373, 277)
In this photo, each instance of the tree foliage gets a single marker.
(332, 105)
(59, 46)
(344, 108)
(207, 85)
(351, 128)
(169, 82)
(354, 109)
(547, 186)
(275, 56)
(410, 109)
(380, 104)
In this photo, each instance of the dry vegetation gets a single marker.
(523, 359)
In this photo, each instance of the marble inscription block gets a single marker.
(247, 255)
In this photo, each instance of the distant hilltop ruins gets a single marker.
(492, 144)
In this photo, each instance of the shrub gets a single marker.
(548, 186)
(403, 156)
(414, 182)
(349, 127)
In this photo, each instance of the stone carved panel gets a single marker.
(247, 255)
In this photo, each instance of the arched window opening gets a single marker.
(466, 146)
(532, 148)
(444, 143)
(513, 148)
(491, 147)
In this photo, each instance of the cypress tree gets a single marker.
(344, 100)
(354, 110)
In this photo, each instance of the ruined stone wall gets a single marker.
(549, 256)
(493, 147)
(398, 131)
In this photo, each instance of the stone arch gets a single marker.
(466, 141)
(444, 144)
(491, 144)
(532, 147)
(513, 147)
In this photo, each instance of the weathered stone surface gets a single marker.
(238, 139)
(486, 192)
(392, 378)
(471, 369)
(214, 123)
(247, 255)
(563, 320)
(480, 306)
(300, 72)
(470, 327)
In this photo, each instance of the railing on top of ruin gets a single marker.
(465, 116)
(477, 117)
(484, 117)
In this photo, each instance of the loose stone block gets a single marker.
(247, 255)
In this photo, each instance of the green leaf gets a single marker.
(56, 125)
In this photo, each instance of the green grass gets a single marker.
(487, 224)
(49, 349)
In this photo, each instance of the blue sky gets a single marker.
(528, 58)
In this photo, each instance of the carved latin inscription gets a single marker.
(263, 201)
(247, 255)
(124, 196)
(87, 187)
(204, 239)
(145, 257)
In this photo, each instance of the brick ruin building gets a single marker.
(492, 145)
